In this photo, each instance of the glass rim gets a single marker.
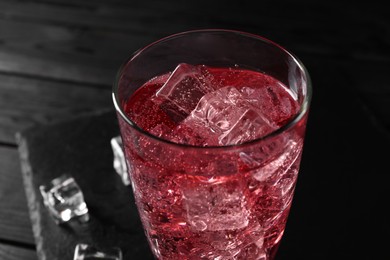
(304, 107)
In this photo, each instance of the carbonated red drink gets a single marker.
(215, 176)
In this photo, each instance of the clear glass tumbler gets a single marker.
(225, 201)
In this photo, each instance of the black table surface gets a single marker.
(58, 58)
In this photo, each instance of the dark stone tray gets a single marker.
(81, 148)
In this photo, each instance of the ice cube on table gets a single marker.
(184, 88)
(225, 114)
(85, 252)
(216, 204)
(119, 162)
(64, 199)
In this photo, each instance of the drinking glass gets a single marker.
(215, 202)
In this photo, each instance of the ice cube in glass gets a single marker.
(216, 203)
(184, 88)
(226, 116)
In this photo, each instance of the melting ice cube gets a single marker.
(226, 114)
(277, 168)
(281, 102)
(64, 199)
(89, 252)
(184, 88)
(216, 204)
(119, 159)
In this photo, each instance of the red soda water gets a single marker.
(215, 188)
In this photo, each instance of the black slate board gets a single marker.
(80, 147)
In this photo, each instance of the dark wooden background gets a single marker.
(58, 58)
